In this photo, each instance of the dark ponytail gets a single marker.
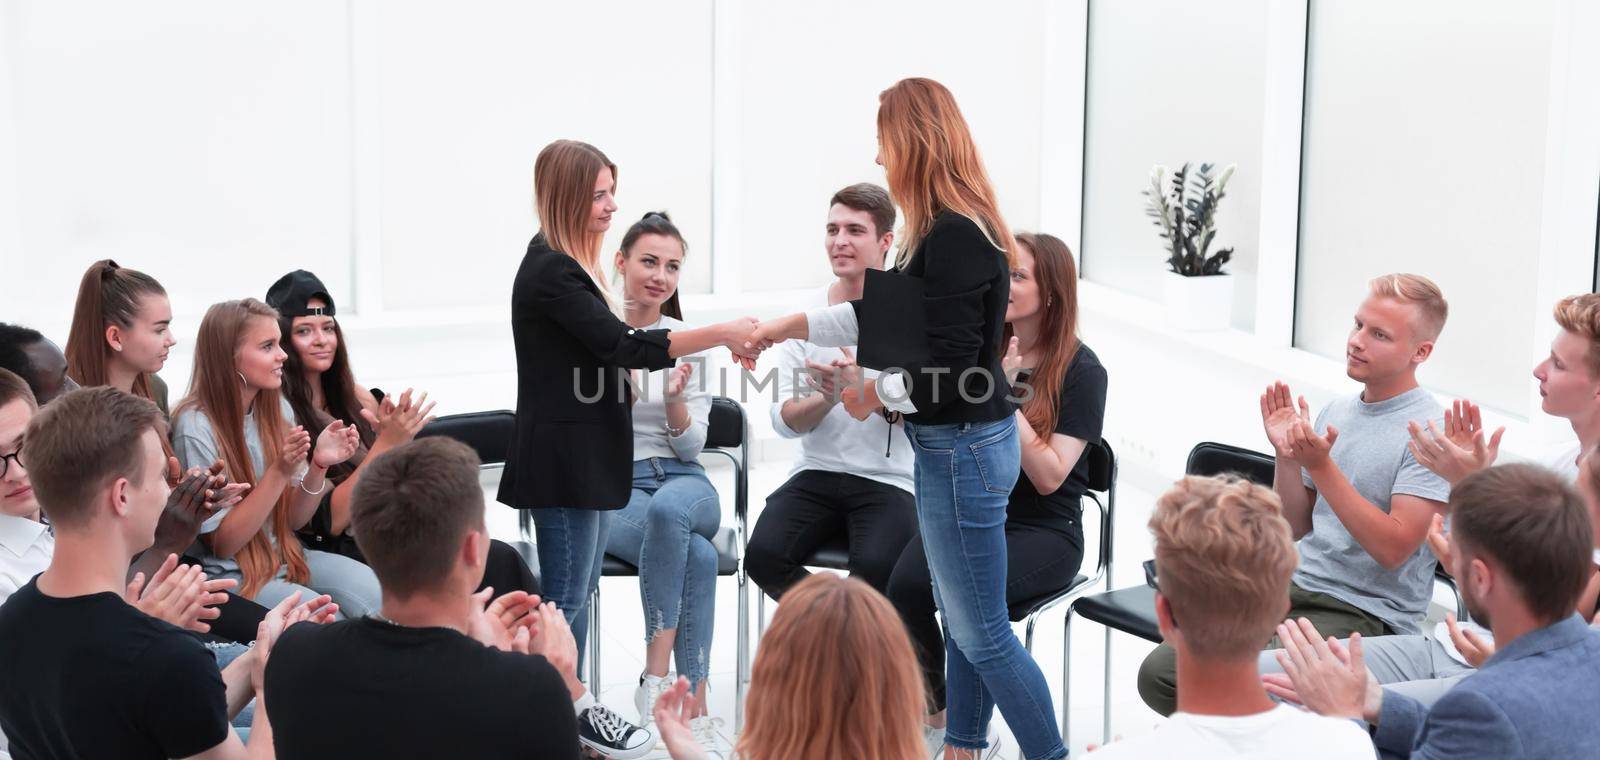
(658, 223)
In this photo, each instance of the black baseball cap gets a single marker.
(291, 292)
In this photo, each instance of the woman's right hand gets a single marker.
(398, 423)
(739, 335)
(292, 453)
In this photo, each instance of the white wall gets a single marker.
(809, 90)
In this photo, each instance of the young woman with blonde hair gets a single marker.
(834, 677)
(570, 461)
(957, 409)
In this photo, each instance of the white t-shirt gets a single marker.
(650, 436)
(1281, 732)
(869, 448)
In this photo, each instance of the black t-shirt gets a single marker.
(93, 677)
(367, 688)
(1083, 411)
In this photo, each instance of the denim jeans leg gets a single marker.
(965, 474)
(569, 543)
(352, 584)
(678, 564)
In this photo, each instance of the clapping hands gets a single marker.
(398, 423)
(1324, 676)
(1280, 418)
(1461, 449)
(337, 443)
(181, 596)
(197, 495)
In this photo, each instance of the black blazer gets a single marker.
(966, 284)
(573, 444)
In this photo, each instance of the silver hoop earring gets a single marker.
(242, 381)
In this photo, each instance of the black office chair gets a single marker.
(835, 553)
(727, 434)
(1102, 480)
(488, 434)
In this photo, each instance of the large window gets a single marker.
(1171, 81)
(1424, 151)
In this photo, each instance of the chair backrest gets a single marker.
(488, 433)
(1102, 466)
(725, 428)
(1209, 458)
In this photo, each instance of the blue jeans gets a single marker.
(352, 584)
(666, 531)
(571, 544)
(964, 475)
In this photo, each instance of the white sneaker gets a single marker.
(934, 739)
(708, 733)
(988, 753)
(650, 689)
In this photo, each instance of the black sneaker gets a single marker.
(607, 733)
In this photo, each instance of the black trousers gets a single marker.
(813, 508)
(1040, 559)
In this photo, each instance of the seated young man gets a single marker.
(854, 476)
(83, 673)
(1425, 666)
(35, 359)
(1360, 509)
(437, 674)
(1223, 561)
(1521, 546)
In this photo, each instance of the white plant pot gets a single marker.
(1198, 303)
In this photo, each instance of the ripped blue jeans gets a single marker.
(666, 531)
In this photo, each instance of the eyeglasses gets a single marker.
(7, 459)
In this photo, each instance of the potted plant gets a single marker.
(1197, 294)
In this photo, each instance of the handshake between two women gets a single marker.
(747, 337)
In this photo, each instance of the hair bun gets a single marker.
(654, 215)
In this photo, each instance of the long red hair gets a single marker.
(215, 391)
(1057, 276)
(933, 165)
(835, 677)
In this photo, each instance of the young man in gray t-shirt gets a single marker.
(1354, 494)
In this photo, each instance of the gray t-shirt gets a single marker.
(195, 445)
(1372, 454)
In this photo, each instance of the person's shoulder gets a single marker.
(953, 226)
(1086, 362)
(191, 420)
(1332, 735)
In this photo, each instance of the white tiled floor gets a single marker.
(623, 625)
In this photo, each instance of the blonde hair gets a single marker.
(835, 677)
(933, 165)
(1417, 291)
(1580, 315)
(1224, 555)
(563, 191)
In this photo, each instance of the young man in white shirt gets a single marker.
(853, 478)
(1224, 556)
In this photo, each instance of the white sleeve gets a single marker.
(833, 326)
(791, 358)
(892, 392)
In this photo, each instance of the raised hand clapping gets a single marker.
(398, 422)
(337, 443)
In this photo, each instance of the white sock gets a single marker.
(583, 703)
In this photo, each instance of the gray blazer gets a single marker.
(1538, 697)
